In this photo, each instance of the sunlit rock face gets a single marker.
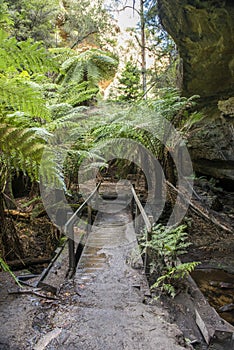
(204, 33)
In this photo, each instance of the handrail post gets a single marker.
(137, 212)
(148, 239)
(71, 244)
(69, 230)
(146, 260)
(148, 225)
(89, 208)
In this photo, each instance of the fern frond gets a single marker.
(18, 95)
(75, 94)
(92, 66)
(25, 56)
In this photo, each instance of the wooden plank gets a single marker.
(207, 319)
(23, 263)
(47, 338)
(202, 326)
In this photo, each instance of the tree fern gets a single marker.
(22, 107)
(91, 66)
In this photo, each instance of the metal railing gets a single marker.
(148, 225)
(69, 229)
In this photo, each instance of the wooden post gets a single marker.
(146, 261)
(89, 219)
(137, 213)
(71, 245)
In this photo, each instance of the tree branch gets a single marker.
(129, 7)
(79, 40)
(141, 46)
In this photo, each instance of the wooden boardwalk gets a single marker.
(112, 312)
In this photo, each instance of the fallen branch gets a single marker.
(200, 210)
(16, 213)
(22, 263)
(32, 291)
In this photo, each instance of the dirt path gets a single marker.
(110, 313)
(103, 308)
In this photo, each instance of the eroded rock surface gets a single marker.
(204, 33)
(211, 143)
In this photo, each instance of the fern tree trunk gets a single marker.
(2, 220)
(10, 245)
(8, 194)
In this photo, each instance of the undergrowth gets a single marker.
(164, 249)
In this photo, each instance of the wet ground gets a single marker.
(103, 308)
(106, 306)
(111, 312)
(218, 288)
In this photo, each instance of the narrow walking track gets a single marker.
(111, 313)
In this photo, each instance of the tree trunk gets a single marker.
(10, 245)
(2, 218)
(143, 48)
(34, 191)
(8, 195)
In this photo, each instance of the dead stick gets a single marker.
(200, 211)
(28, 262)
(30, 291)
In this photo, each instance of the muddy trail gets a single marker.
(107, 305)
(103, 307)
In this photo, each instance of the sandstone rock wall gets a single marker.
(204, 33)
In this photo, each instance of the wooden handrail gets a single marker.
(143, 213)
(72, 219)
(69, 224)
(148, 228)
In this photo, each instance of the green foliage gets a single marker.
(5, 20)
(20, 65)
(76, 94)
(22, 107)
(83, 20)
(134, 121)
(157, 44)
(34, 19)
(169, 103)
(169, 281)
(25, 56)
(81, 73)
(130, 86)
(90, 66)
(165, 247)
(160, 38)
(19, 95)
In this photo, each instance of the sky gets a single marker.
(128, 17)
